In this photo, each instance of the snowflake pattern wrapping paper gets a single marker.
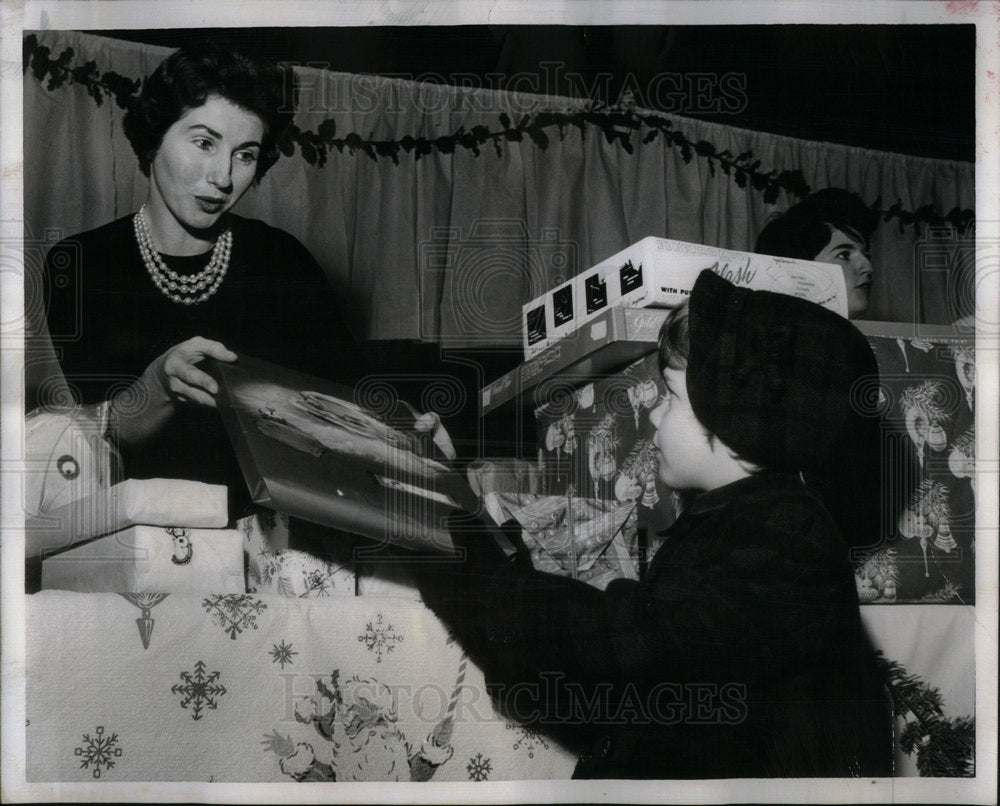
(260, 687)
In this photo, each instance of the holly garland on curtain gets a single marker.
(531, 162)
(616, 125)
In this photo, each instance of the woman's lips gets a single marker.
(210, 205)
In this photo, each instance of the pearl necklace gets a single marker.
(186, 289)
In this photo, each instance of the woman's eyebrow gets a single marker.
(208, 129)
(218, 136)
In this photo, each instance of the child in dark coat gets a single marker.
(741, 653)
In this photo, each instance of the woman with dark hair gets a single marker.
(831, 226)
(184, 279)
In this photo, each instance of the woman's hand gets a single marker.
(172, 380)
(177, 373)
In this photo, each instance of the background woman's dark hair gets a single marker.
(805, 228)
(186, 78)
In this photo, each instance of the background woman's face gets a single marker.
(849, 253)
(206, 162)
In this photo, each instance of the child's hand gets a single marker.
(430, 423)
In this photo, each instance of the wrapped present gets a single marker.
(492, 480)
(264, 531)
(151, 559)
(67, 457)
(273, 566)
(150, 502)
(588, 539)
(298, 575)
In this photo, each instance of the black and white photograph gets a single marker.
(461, 402)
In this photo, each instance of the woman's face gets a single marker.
(849, 253)
(206, 162)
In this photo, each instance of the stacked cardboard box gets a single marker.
(659, 273)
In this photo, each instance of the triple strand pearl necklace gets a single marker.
(184, 289)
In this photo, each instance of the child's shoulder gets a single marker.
(779, 512)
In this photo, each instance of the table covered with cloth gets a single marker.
(252, 687)
(260, 687)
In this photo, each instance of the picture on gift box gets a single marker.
(630, 277)
(596, 293)
(317, 423)
(308, 449)
(562, 305)
(536, 324)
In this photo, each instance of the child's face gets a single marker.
(687, 460)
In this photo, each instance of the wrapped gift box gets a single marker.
(587, 539)
(600, 440)
(151, 502)
(151, 559)
(275, 566)
(611, 339)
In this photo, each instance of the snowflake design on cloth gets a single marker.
(479, 768)
(99, 750)
(234, 612)
(529, 738)
(318, 583)
(282, 653)
(379, 637)
(199, 689)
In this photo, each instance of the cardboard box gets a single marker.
(564, 308)
(660, 273)
(535, 326)
(608, 341)
(598, 291)
(151, 559)
(657, 272)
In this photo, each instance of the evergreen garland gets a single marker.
(945, 748)
(616, 125)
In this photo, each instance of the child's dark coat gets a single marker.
(741, 655)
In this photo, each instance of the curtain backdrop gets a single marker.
(446, 247)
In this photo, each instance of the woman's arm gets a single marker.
(172, 380)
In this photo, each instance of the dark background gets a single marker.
(903, 88)
(908, 89)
